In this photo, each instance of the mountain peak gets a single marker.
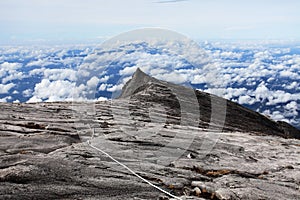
(138, 79)
(238, 118)
(139, 72)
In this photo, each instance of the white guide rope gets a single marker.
(130, 170)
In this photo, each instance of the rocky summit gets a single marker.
(191, 144)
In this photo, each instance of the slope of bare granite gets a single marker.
(238, 118)
(44, 153)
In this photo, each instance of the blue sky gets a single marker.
(68, 20)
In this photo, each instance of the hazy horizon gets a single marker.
(74, 21)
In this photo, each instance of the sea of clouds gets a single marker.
(263, 76)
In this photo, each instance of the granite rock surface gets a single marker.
(155, 129)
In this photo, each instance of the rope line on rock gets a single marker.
(130, 170)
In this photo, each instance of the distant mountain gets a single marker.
(216, 113)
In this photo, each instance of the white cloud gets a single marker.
(4, 88)
(231, 55)
(102, 99)
(5, 99)
(103, 87)
(293, 85)
(234, 92)
(278, 116)
(216, 91)
(13, 76)
(34, 99)
(55, 74)
(291, 109)
(277, 67)
(37, 71)
(199, 79)
(93, 82)
(156, 71)
(115, 88)
(104, 79)
(27, 93)
(292, 105)
(289, 74)
(127, 70)
(10, 66)
(279, 96)
(246, 99)
(60, 74)
(8, 71)
(263, 55)
(262, 92)
(125, 80)
(41, 63)
(173, 77)
(53, 91)
(16, 101)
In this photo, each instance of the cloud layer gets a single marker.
(262, 76)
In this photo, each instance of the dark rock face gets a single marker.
(43, 153)
(238, 118)
(139, 79)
